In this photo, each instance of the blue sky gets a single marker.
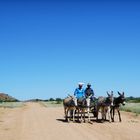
(47, 47)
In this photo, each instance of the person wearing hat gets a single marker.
(89, 91)
(79, 92)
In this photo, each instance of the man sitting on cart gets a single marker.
(79, 92)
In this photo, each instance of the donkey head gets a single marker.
(121, 98)
(74, 99)
(110, 98)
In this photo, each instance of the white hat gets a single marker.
(80, 83)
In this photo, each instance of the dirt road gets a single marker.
(35, 122)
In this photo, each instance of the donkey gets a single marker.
(117, 102)
(70, 105)
(104, 104)
(83, 108)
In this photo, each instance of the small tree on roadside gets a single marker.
(51, 99)
(58, 100)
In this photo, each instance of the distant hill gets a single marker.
(7, 98)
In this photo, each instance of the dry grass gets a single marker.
(51, 104)
(132, 107)
(11, 104)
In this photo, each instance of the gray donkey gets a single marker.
(70, 104)
(104, 104)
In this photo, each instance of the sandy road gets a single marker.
(35, 122)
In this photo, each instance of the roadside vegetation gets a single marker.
(11, 104)
(132, 105)
(52, 102)
(7, 101)
(132, 99)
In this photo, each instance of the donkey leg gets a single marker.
(109, 115)
(84, 116)
(73, 115)
(67, 112)
(81, 116)
(78, 114)
(119, 115)
(88, 114)
(103, 114)
(112, 112)
(97, 113)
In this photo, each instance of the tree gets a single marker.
(58, 100)
(51, 99)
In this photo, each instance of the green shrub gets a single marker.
(11, 104)
(131, 107)
(58, 100)
(51, 104)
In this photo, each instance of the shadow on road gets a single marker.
(78, 121)
(62, 120)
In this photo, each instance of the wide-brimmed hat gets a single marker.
(88, 84)
(81, 83)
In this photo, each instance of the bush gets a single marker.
(58, 100)
(51, 99)
(133, 99)
(132, 107)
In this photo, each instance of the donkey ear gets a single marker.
(119, 93)
(123, 93)
(108, 93)
(112, 93)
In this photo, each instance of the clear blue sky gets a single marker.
(47, 47)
